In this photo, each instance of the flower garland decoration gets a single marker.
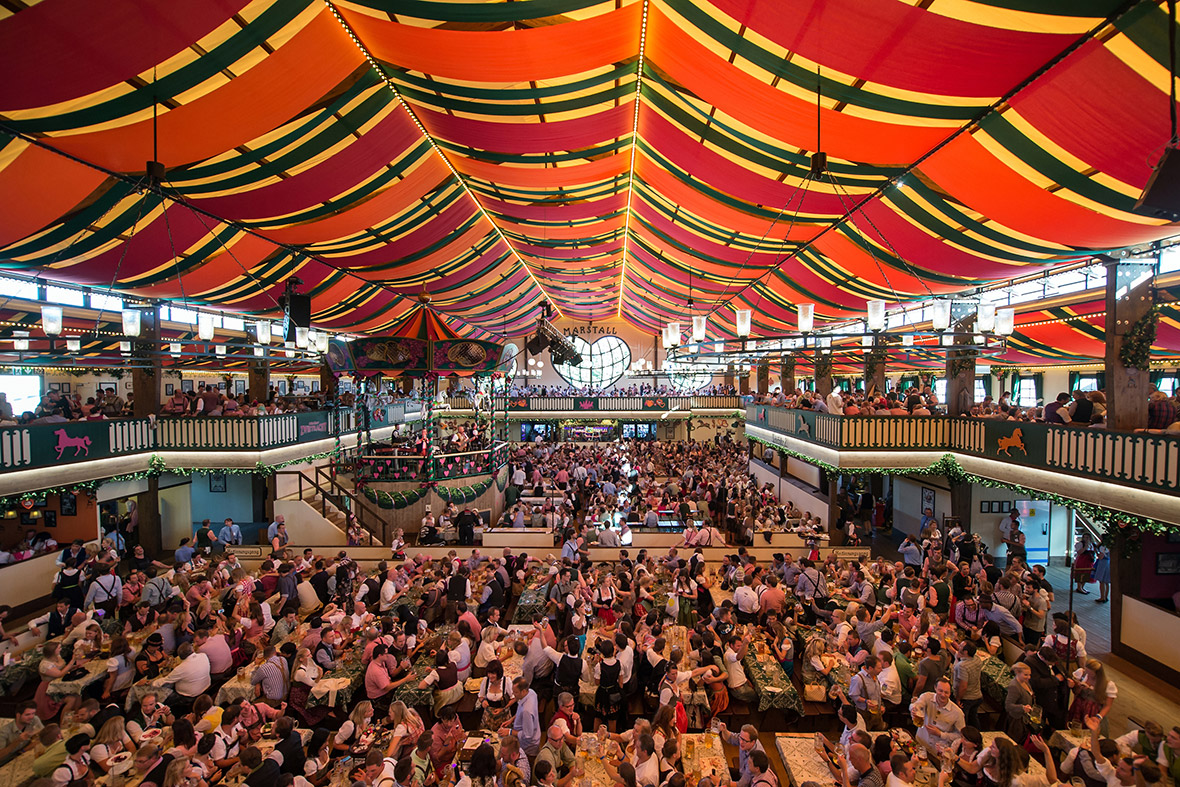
(1136, 350)
(1114, 523)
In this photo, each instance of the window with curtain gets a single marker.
(939, 388)
(980, 390)
(1024, 392)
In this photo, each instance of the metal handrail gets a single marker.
(327, 494)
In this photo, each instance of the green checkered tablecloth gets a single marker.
(349, 668)
(533, 600)
(995, 678)
(775, 689)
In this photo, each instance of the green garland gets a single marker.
(961, 361)
(1136, 350)
(157, 467)
(406, 498)
(1112, 521)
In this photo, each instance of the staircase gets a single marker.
(333, 498)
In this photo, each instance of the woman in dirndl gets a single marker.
(495, 695)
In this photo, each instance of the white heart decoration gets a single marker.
(687, 377)
(603, 362)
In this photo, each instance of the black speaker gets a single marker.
(1161, 195)
(534, 345)
(296, 314)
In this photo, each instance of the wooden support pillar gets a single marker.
(258, 381)
(787, 375)
(823, 374)
(1129, 298)
(875, 372)
(836, 537)
(763, 377)
(960, 378)
(1125, 580)
(328, 382)
(961, 503)
(743, 381)
(147, 372)
(148, 505)
(729, 375)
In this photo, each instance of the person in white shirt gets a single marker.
(388, 592)
(943, 720)
(745, 598)
(889, 680)
(739, 685)
(191, 677)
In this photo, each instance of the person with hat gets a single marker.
(76, 768)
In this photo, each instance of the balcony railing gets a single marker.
(593, 404)
(42, 445)
(1148, 461)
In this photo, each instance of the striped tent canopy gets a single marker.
(421, 344)
(600, 156)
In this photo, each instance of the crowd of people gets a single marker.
(634, 389)
(1081, 409)
(615, 656)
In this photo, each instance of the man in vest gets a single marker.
(458, 591)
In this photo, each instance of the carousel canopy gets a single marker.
(604, 158)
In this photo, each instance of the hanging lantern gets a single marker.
(259, 352)
(132, 322)
(74, 345)
(174, 349)
(876, 315)
(322, 342)
(51, 320)
(20, 340)
(866, 341)
(806, 317)
(699, 324)
(907, 340)
(262, 331)
(301, 337)
(941, 317)
(125, 347)
(290, 349)
(205, 327)
(219, 349)
(674, 334)
(985, 318)
(742, 325)
(1005, 321)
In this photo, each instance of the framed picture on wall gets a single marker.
(927, 498)
(127, 384)
(50, 518)
(51, 387)
(239, 386)
(282, 387)
(68, 504)
(65, 387)
(1005, 506)
(985, 507)
(186, 385)
(315, 385)
(1167, 563)
(169, 389)
(26, 518)
(217, 482)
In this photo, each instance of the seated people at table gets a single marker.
(18, 733)
(407, 728)
(350, 731)
(149, 714)
(740, 687)
(938, 719)
(75, 769)
(558, 755)
(447, 736)
(111, 739)
(444, 679)
(1005, 764)
(746, 741)
(53, 751)
(192, 677)
(858, 768)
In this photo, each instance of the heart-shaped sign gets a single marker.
(688, 377)
(603, 362)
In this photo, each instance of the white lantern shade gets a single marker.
(752, 345)
(124, 347)
(74, 345)
(907, 340)
(718, 347)
(174, 348)
(322, 340)
(204, 327)
(941, 316)
(532, 361)
(947, 339)
(866, 341)
(262, 331)
(20, 340)
(219, 349)
(258, 352)
(876, 315)
(301, 337)
(540, 364)
(51, 320)
(1005, 321)
(289, 350)
(824, 341)
(742, 324)
(806, 317)
(700, 324)
(674, 334)
(132, 322)
(985, 318)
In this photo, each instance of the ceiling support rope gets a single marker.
(967, 128)
(380, 71)
(634, 153)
